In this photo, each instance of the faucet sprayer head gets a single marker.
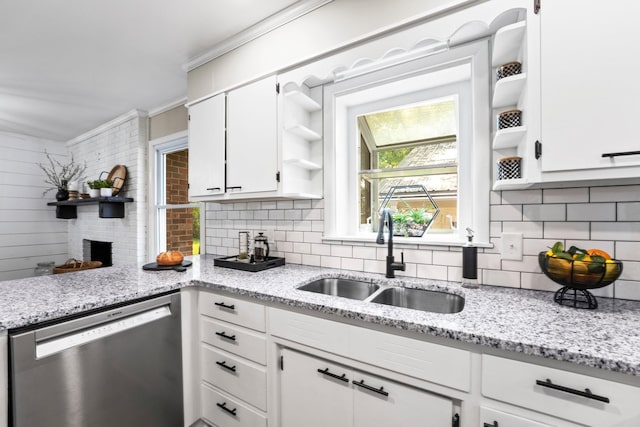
(383, 215)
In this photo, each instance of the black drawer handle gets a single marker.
(225, 336)
(368, 387)
(223, 406)
(237, 187)
(621, 153)
(224, 365)
(493, 424)
(223, 305)
(213, 189)
(586, 393)
(326, 372)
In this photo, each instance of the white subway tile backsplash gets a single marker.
(295, 236)
(553, 212)
(311, 260)
(312, 237)
(566, 230)
(293, 214)
(341, 251)
(630, 270)
(447, 258)
(302, 248)
(539, 282)
(431, 271)
(276, 214)
(628, 251)
(627, 289)
(565, 195)
(628, 211)
(302, 204)
(625, 231)
(529, 230)
(622, 193)
(352, 264)
(510, 279)
(330, 262)
(487, 260)
(312, 214)
(506, 213)
(371, 266)
(521, 197)
(320, 249)
(293, 258)
(528, 264)
(364, 252)
(591, 212)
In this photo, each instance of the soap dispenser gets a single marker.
(469, 262)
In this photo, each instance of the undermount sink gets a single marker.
(420, 299)
(346, 288)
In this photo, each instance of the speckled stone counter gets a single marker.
(517, 320)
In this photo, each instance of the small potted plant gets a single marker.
(106, 187)
(94, 189)
(59, 175)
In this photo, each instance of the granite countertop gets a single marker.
(517, 320)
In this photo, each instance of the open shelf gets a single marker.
(304, 164)
(304, 132)
(509, 137)
(508, 90)
(507, 43)
(303, 100)
(511, 184)
(108, 207)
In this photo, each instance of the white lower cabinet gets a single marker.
(494, 418)
(318, 392)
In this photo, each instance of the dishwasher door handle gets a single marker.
(47, 347)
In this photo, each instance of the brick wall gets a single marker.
(601, 217)
(120, 142)
(179, 221)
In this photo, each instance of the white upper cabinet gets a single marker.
(252, 138)
(206, 147)
(590, 91)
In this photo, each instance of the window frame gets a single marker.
(341, 201)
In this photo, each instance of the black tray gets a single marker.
(153, 266)
(245, 265)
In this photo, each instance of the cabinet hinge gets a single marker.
(278, 176)
(538, 149)
(281, 362)
(277, 87)
(536, 6)
(455, 422)
(188, 117)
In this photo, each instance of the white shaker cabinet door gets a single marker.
(311, 398)
(590, 89)
(252, 143)
(206, 147)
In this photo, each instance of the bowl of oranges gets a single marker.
(579, 268)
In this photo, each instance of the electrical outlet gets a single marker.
(512, 246)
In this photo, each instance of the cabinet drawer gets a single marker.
(234, 339)
(491, 417)
(432, 362)
(516, 383)
(232, 310)
(226, 412)
(236, 376)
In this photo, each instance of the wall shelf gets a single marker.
(508, 90)
(509, 137)
(507, 43)
(304, 132)
(304, 164)
(303, 100)
(108, 207)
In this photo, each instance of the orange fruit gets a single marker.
(599, 252)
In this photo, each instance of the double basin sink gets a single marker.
(417, 299)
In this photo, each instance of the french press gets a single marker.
(260, 247)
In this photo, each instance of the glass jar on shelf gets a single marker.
(44, 268)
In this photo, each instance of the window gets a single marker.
(177, 222)
(420, 124)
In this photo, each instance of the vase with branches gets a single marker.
(59, 175)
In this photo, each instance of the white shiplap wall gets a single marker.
(29, 230)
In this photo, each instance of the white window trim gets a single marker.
(157, 229)
(339, 166)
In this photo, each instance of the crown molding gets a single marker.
(277, 20)
(166, 107)
(133, 114)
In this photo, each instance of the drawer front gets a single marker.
(227, 412)
(236, 376)
(432, 362)
(232, 310)
(323, 334)
(516, 383)
(439, 364)
(234, 339)
(491, 418)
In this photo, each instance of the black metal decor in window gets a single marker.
(413, 209)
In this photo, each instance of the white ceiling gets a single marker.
(68, 66)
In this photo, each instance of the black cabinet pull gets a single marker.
(493, 424)
(223, 406)
(225, 336)
(621, 153)
(213, 189)
(368, 387)
(586, 393)
(326, 372)
(223, 305)
(224, 365)
(237, 187)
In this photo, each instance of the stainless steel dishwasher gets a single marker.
(121, 366)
